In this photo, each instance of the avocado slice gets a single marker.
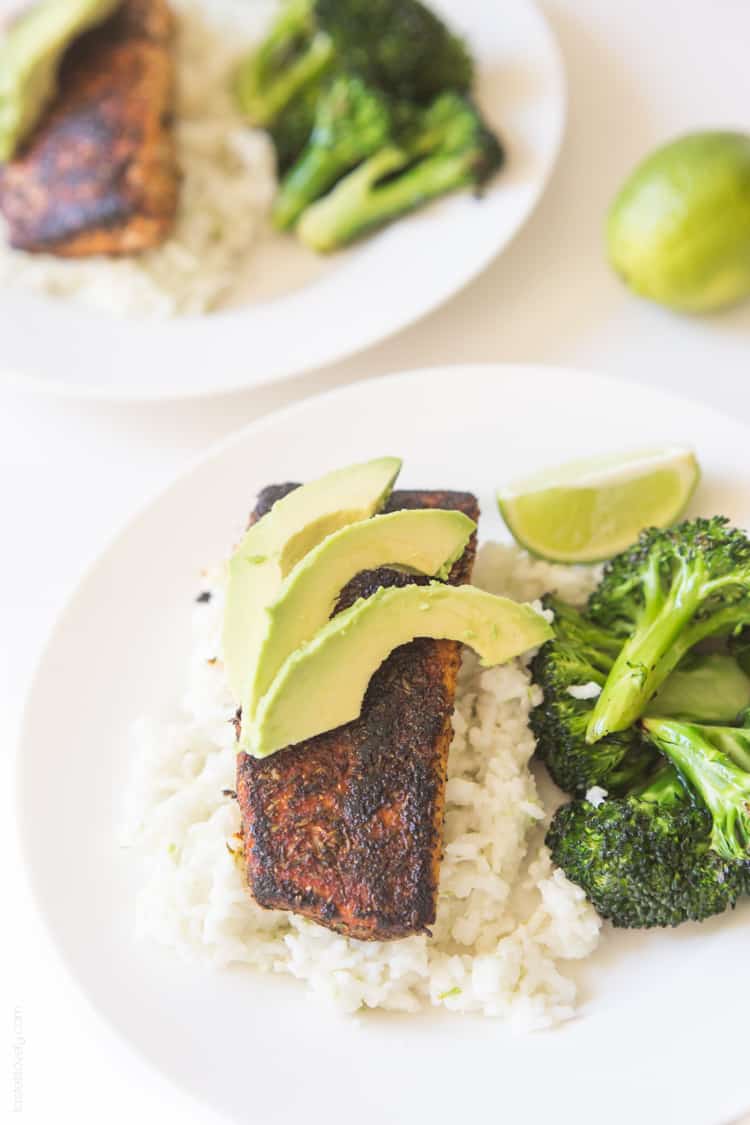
(276, 543)
(418, 542)
(30, 56)
(322, 685)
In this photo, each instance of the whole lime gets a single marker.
(678, 232)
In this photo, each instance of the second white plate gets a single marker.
(360, 297)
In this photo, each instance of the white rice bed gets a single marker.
(507, 921)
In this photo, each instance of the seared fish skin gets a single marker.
(347, 827)
(99, 173)
(145, 19)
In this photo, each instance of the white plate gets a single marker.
(362, 296)
(661, 1034)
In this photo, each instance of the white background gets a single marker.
(639, 72)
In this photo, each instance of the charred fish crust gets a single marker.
(146, 19)
(398, 501)
(99, 174)
(398, 720)
(267, 497)
(258, 842)
(97, 190)
(346, 828)
(81, 135)
(366, 583)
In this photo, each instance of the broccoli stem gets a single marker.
(310, 178)
(352, 206)
(652, 652)
(262, 96)
(722, 784)
(735, 744)
(359, 203)
(600, 647)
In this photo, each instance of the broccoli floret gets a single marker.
(662, 597)
(706, 687)
(581, 654)
(352, 121)
(291, 129)
(399, 45)
(715, 764)
(646, 859)
(294, 55)
(596, 645)
(449, 148)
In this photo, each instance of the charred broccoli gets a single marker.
(371, 91)
(447, 147)
(352, 121)
(598, 646)
(672, 590)
(399, 45)
(646, 859)
(291, 129)
(572, 670)
(714, 762)
(674, 842)
(569, 681)
(293, 55)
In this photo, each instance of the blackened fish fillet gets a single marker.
(347, 827)
(99, 174)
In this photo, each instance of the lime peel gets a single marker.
(678, 231)
(588, 510)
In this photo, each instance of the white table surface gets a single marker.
(639, 72)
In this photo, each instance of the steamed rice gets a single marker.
(506, 919)
(228, 183)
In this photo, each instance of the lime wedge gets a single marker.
(589, 510)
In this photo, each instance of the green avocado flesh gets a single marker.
(30, 57)
(419, 542)
(322, 685)
(273, 546)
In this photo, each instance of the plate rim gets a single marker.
(16, 379)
